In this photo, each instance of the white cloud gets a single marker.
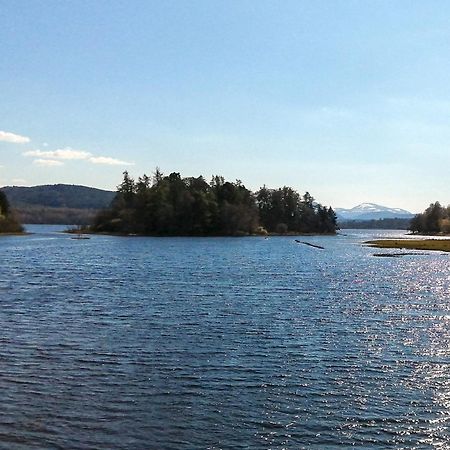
(47, 162)
(5, 136)
(69, 153)
(108, 161)
(62, 153)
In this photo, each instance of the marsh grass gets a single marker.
(412, 244)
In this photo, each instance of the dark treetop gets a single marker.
(171, 205)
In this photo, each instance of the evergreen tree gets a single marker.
(126, 190)
(435, 219)
(4, 205)
(8, 222)
(172, 205)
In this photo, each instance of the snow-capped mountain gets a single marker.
(369, 211)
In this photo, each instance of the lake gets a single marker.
(221, 343)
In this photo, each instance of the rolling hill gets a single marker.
(58, 203)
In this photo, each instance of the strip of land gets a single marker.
(412, 244)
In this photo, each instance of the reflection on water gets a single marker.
(181, 343)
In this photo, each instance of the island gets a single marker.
(175, 206)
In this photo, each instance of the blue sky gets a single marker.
(349, 100)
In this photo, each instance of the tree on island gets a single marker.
(435, 219)
(284, 209)
(171, 205)
(8, 223)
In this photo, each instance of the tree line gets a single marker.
(47, 215)
(171, 205)
(435, 219)
(377, 224)
(8, 222)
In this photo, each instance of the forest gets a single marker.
(47, 215)
(171, 206)
(8, 222)
(434, 220)
(377, 224)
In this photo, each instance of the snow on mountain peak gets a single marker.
(368, 207)
(367, 211)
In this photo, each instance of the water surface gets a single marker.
(221, 343)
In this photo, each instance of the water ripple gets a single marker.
(218, 343)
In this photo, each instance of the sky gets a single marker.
(349, 100)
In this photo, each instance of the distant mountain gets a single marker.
(59, 196)
(372, 211)
(57, 203)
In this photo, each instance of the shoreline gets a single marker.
(76, 231)
(15, 233)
